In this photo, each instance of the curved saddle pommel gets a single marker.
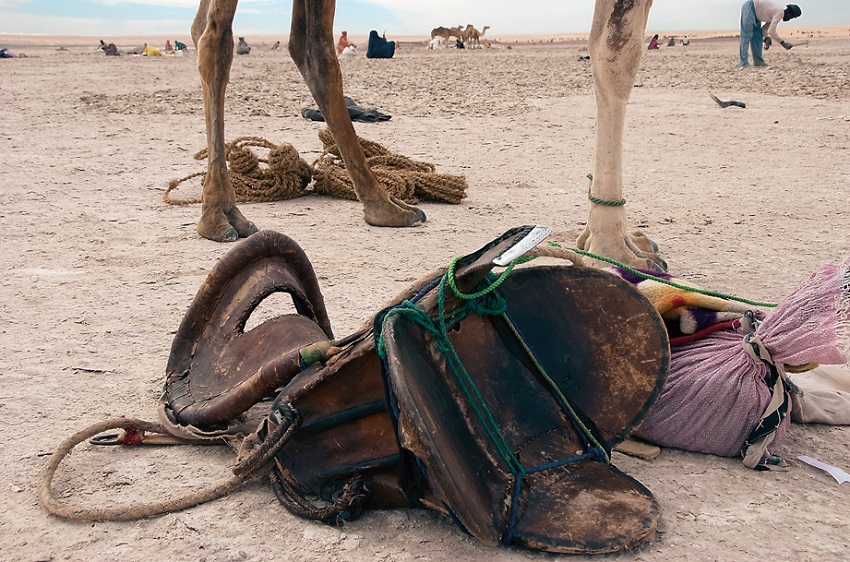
(217, 370)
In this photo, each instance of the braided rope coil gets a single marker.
(286, 175)
(407, 179)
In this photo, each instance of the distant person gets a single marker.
(276, 46)
(242, 47)
(179, 45)
(168, 47)
(151, 51)
(379, 47)
(436, 43)
(653, 43)
(349, 52)
(343, 43)
(111, 50)
(755, 35)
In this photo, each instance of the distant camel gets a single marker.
(474, 36)
(466, 34)
(446, 32)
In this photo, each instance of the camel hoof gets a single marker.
(413, 209)
(643, 242)
(658, 264)
(399, 217)
(243, 226)
(226, 234)
(246, 229)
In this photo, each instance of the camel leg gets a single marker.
(311, 47)
(616, 44)
(211, 31)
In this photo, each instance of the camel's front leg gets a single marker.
(220, 220)
(311, 47)
(616, 43)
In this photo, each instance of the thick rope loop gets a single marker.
(122, 512)
(605, 202)
(251, 465)
(599, 201)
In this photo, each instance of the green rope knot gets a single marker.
(488, 305)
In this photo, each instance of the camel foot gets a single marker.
(226, 227)
(393, 213)
(643, 242)
(243, 226)
(633, 249)
(644, 247)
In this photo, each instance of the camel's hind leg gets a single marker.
(311, 47)
(220, 220)
(616, 44)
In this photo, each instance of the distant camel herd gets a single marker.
(468, 35)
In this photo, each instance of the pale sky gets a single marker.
(395, 17)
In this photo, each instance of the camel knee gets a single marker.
(200, 22)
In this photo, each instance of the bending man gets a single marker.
(753, 35)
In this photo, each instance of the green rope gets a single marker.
(450, 276)
(438, 327)
(605, 202)
(645, 275)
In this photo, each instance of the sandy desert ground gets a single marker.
(98, 271)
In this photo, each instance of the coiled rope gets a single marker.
(285, 176)
(403, 177)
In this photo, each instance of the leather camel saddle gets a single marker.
(494, 400)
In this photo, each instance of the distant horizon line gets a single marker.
(75, 39)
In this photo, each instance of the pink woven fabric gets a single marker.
(715, 393)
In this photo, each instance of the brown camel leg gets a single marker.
(211, 31)
(311, 47)
(616, 44)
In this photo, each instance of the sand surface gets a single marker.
(98, 271)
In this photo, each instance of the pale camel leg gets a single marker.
(211, 31)
(311, 47)
(616, 44)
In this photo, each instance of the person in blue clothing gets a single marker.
(759, 19)
(379, 47)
